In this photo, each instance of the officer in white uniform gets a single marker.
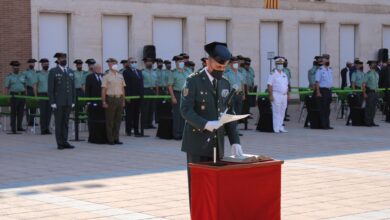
(278, 95)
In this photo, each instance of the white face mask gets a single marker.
(133, 65)
(235, 65)
(279, 67)
(115, 67)
(181, 65)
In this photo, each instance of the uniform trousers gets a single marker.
(279, 105)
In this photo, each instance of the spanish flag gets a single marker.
(271, 4)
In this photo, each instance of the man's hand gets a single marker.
(213, 125)
(318, 94)
(174, 100)
(53, 106)
(73, 105)
(236, 150)
(365, 95)
(105, 105)
(271, 98)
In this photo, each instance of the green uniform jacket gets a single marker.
(199, 105)
(61, 89)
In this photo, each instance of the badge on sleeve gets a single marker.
(185, 92)
(225, 93)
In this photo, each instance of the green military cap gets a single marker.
(190, 64)
(32, 60)
(326, 56)
(123, 61)
(359, 62)
(218, 51)
(184, 55)
(203, 59)
(14, 63)
(177, 58)
(90, 61)
(111, 60)
(44, 60)
(159, 60)
(372, 62)
(167, 62)
(317, 58)
(78, 61)
(240, 57)
(247, 60)
(59, 55)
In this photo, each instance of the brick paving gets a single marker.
(339, 174)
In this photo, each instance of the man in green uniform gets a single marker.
(15, 84)
(370, 84)
(162, 77)
(311, 75)
(41, 88)
(150, 88)
(168, 66)
(62, 97)
(237, 82)
(357, 76)
(79, 78)
(203, 99)
(176, 82)
(31, 76)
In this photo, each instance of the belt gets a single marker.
(150, 88)
(115, 96)
(176, 91)
(16, 93)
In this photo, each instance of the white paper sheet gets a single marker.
(226, 118)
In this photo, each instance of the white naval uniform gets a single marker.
(279, 83)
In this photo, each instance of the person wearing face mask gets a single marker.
(175, 85)
(370, 85)
(323, 91)
(113, 100)
(237, 82)
(150, 88)
(41, 88)
(203, 99)
(15, 84)
(278, 95)
(135, 87)
(79, 78)
(96, 113)
(62, 98)
(31, 78)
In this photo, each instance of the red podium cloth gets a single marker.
(236, 191)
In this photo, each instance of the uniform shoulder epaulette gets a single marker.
(192, 75)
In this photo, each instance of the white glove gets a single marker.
(212, 125)
(72, 105)
(54, 106)
(236, 150)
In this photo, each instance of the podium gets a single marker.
(236, 191)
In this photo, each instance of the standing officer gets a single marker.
(134, 87)
(15, 84)
(236, 81)
(323, 86)
(41, 88)
(113, 92)
(125, 65)
(150, 88)
(278, 95)
(91, 63)
(370, 84)
(31, 78)
(358, 76)
(168, 66)
(287, 71)
(162, 77)
(62, 97)
(203, 99)
(79, 78)
(175, 85)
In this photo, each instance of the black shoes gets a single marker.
(65, 146)
(118, 142)
(21, 129)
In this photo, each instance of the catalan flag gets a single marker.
(271, 4)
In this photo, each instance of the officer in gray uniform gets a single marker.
(203, 99)
(44, 105)
(15, 84)
(62, 97)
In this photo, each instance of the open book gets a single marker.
(247, 158)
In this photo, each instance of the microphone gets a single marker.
(229, 97)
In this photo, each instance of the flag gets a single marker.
(271, 4)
